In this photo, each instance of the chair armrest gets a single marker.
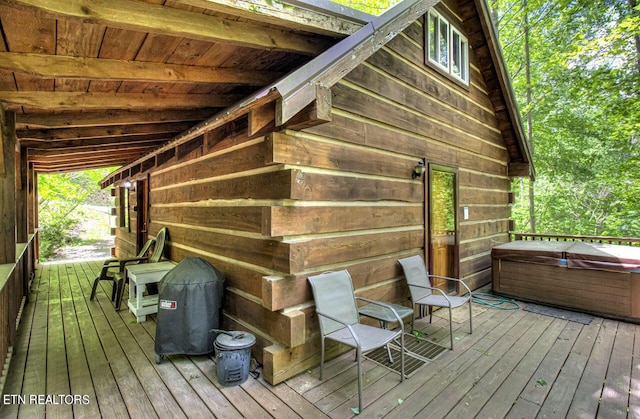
(388, 307)
(348, 326)
(112, 260)
(124, 262)
(444, 294)
(452, 279)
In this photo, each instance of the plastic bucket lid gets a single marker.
(234, 340)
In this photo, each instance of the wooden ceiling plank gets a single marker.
(75, 38)
(144, 17)
(71, 100)
(25, 31)
(59, 66)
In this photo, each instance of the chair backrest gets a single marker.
(333, 295)
(145, 249)
(158, 249)
(416, 273)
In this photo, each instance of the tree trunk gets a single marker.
(525, 10)
(636, 37)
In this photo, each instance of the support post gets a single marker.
(8, 187)
(21, 198)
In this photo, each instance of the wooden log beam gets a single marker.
(286, 328)
(60, 66)
(74, 167)
(262, 120)
(110, 117)
(102, 142)
(132, 101)
(274, 13)
(316, 113)
(163, 20)
(102, 132)
(83, 154)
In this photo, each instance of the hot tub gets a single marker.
(601, 279)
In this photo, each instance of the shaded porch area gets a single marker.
(75, 357)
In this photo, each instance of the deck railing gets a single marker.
(15, 281)
(628, 241)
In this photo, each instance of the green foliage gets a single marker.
(60, 196)
(373, 7)
(585, 80)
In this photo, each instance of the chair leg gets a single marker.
(383, 325)
(321, 356)
(401, 357)
(451, 327)
(413, 318)
(94, 289)
(359, 356)
(470, 318)
(120, 293)
(114, 290)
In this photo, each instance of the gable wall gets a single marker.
(269, 212)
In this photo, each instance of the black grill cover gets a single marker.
(189, 306)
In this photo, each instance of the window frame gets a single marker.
(433, 44)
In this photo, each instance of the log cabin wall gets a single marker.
(273, 210)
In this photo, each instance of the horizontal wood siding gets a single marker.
(273, 210)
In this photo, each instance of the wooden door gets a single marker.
(443, 225)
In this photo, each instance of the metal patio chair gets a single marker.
(112, 266)
(424, 294)
(339, 320)
(120, 278)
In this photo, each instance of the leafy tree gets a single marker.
(373, 7)
(584, 85)
(60, 196)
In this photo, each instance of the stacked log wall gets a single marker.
(271, 211)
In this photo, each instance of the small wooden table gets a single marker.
(140, 275)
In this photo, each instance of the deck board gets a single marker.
(105, 389)
(515, 364)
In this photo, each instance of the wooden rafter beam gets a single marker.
(74, 167)
(132, 101)
(110, 117)
(153, 140)
(63, 155)
(271, 12)
(102, 132)
(144, 17)
(101, 69)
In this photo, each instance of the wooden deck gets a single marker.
(515, 364)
